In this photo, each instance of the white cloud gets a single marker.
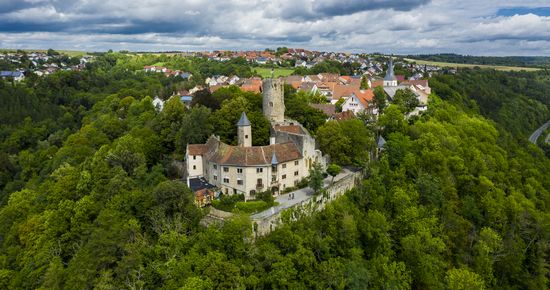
(397, 26)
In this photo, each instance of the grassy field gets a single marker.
(278, 72)
(459, 65)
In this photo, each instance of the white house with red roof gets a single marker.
(358, 101)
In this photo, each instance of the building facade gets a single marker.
(246, 169)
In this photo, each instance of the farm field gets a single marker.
(465, 65)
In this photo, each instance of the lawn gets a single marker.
(265, 72)
(458, 65)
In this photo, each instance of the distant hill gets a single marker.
(521, 61)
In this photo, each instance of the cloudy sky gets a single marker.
(480, 27)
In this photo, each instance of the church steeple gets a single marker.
(244, 131)
(390, 80)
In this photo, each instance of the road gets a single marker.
(535, 136)
(299, 196)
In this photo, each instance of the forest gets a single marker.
(90, 199)
(522, 61)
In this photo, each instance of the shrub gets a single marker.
(227, 202)
(266, 196)
(251, 206)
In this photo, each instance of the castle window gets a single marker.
(259, 170)
(284, 166)
(215, 177)
(194, 166)
(226, 180)
(239, 181)
(271, 104)
(194, 157)
(226, 169)
(239, 170)
(215, 166)
(296, 162)
(245, 136)
(296, 173)
(284, 176)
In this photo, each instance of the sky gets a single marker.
(480, 27)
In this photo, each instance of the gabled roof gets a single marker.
(196, 149)
(327, 109)
(14, 74)
(364, 96)
(294, 129)
(243, 121)
(423, 83)
(390, 91)
(224, 154)
(343, 91)
(199, 183)
(347, 115)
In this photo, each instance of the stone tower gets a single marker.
(273, 100)
(244, 131)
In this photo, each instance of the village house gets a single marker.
(359, 101)
(15, 75)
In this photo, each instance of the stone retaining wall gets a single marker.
(265, 225)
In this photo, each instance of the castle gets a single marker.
(246, 169)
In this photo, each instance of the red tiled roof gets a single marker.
(196, 149)
(347, 115)
(377, 83)
(343, 90)
(295, 129)
(252, 85)
(224, 154)
(364, 96)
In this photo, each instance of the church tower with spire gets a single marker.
(244, 131)
(390, 80)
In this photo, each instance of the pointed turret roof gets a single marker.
(274, 159)
(381, 142)
(390, 76)
(243, 121)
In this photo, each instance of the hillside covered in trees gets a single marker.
(521, 61)
(89, 197)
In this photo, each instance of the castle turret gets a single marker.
(273, 100)
(244, 131)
